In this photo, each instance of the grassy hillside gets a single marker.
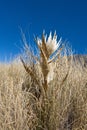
(49, 95)
(66, 106)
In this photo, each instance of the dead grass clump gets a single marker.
(12, 112)
(62, 100)
(50, 95)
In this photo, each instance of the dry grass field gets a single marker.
(31, 100)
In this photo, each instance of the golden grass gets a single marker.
(65, 105)
(64, 108)
(26, 105)
(12, 113)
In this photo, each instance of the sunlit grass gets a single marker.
(25, 103)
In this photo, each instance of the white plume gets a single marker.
(51, 42)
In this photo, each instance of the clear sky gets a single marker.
(67, 17)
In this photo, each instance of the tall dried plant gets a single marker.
(49, 52)
(57, 102)
(47, 48)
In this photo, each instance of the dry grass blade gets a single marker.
(36, 41)
(28, 70)
(65, 79)
(57, 54)
(44, 46)
(31, 55)
(43, 56)
(33, 76)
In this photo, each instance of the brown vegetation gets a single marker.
(29, 101)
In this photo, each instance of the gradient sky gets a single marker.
(67, 17)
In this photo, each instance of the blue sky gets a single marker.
(67, 17)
